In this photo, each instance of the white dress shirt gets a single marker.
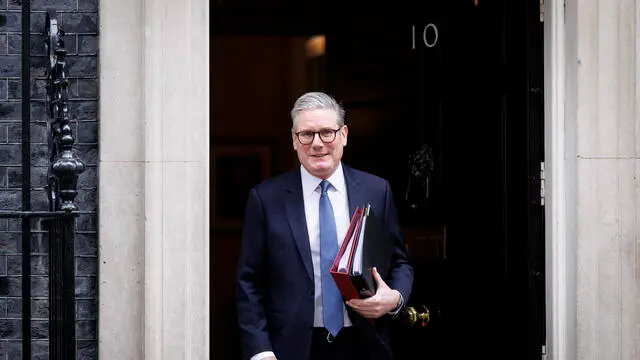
(337, 193)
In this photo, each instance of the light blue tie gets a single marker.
(331, 298)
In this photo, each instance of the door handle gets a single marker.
(417, 316)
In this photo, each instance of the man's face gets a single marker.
(320, 158)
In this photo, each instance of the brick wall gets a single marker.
(79, 20)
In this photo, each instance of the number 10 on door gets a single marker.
(424, 36)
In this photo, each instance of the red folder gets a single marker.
(341, 275)
(367, 244)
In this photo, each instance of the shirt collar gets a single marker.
(310, 183)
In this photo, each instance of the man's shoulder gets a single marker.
(364, 176)
(277, 182)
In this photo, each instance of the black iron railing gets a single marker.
(62, 179)
(62, 184)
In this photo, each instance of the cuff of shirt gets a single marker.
(262, 355)
(396, 311)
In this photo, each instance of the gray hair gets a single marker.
(316, 100)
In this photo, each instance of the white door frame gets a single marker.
(560, 177)
(154, 204)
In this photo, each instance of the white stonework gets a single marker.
(154, 172)
(121, 178)
(593, 147)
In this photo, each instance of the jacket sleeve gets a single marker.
(401, 271)
(250, 285)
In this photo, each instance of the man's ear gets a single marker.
(345, 132)
(294, 140)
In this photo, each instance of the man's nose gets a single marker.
(316, 140)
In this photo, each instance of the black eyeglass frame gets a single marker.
(333, 138)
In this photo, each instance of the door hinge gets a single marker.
(543, 352)
(542, 184)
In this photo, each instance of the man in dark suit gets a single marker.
(288, 306)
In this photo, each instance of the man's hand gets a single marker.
(384, 301)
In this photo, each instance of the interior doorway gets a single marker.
(447, 105)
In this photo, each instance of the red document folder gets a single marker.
(366, 244)
(341, 276)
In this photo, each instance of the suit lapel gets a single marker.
(294, 204)
(356, 198)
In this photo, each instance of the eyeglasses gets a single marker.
(326, 135)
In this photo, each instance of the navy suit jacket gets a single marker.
(275, 290)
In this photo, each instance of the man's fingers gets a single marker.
(367, 309)
(370, 312)
(368, 302)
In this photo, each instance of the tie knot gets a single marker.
(324, 186)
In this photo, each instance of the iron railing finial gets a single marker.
(65, 165)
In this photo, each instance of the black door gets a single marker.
(446, 103)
